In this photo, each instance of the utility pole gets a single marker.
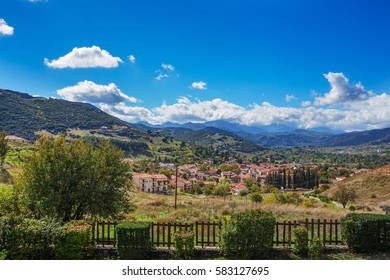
(176, 188)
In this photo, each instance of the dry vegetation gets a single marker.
(160, 208)
(372, 189)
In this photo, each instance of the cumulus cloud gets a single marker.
(364, 114)
(90, 92)
(341, 91)
(165, 71)
(306, 103)
(5, 29)
(85, 57)
(161, 75)
(289, 98)
(132, 58)
(169, 67)
(199, 85)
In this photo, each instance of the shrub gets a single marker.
(281, 198)
(75, 242)
(28, 239)
(184, 244)
(352, 208)
(133, 240)
(309, 203)
(248, 235)
(324, 198)
(256, 197)
(3, 255)
(366, 233)
(316, 248)
(293, 197)
(300, 241)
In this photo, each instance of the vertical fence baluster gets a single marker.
(324, 231)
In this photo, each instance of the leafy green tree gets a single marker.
(3, 149)
(222, 189)
(256, 197)
(344, 195)
(207, 191)
(74, 180)
(166, 172)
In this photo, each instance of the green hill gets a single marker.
(23, 115)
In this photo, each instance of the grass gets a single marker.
(160, 208)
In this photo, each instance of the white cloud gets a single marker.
(306, 103)
(161, 76)
(341, 91)
(168, 67)
(5, 29)
(364, 114)
(37, 1)
(132, 58)
(199, 85)
(355, 114)
(90, 92)
(85, 57)
(289, 98)
(165, 72)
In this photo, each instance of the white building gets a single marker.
(151, 183)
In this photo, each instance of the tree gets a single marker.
(74, 180)
(166, 172)
(256, 197)
(344, 195)
(3, 149)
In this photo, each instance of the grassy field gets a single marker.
(160, 208)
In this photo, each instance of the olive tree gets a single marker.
(72, 180)
(344, 195)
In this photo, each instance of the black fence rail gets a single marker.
(208, 234)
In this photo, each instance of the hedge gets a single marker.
(133, 240)
(300, 241)
(366, 233)
(249, 235)
(28, 239)
(75, 242)
(184, 244)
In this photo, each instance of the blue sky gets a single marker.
(255, 62)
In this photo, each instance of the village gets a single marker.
(194, 178)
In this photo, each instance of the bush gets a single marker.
(316, 248)
(256, 197)
(366, 233)
(300, 241)
(293, 197)
(133, 240)
(281, 198)
(3, 254)
(248, 235)
(184, 244)
(324, 198)
(28, 239)
(75, 242)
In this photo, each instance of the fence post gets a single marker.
(324, 231)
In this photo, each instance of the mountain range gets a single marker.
(276, 135)
(24, 115)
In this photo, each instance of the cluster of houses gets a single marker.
(190, 174)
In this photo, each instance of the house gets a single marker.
(151, 183)
(182, 184)
(239, 188)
